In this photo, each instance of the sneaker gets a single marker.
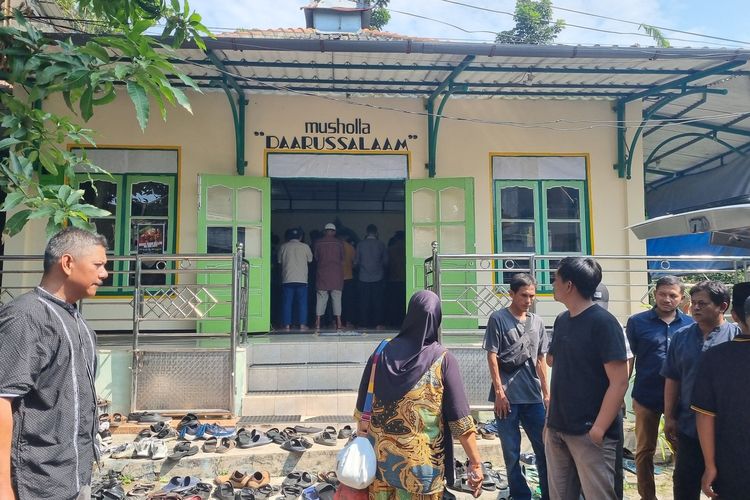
(143, 448)
(158, 450)
(167, 434)
(192, 432)
(217, 431)
(188, 420)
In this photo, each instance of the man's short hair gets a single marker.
(670, 280)
(371, 229)
(520, 280)
(740, 293)
(716, 290)
(72, 241)
(584, 272)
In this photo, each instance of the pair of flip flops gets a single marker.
(320, 491)
(182, 450)
(327, 437)
(297, 445)
(280, 437)
(301, 479)
(251, 438)
(215, 445)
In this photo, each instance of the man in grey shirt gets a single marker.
(371, 260)
(47, 371)
(516, 343)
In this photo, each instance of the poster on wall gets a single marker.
(150, 238)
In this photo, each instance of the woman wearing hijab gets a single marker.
(418, 397)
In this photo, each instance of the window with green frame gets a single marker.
(142, 220)
(541, 216)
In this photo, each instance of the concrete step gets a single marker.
(271, 457)
(312, 350)
(307, 403)
(304, 376)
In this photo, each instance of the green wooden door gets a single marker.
(442, 210)
(236, 209)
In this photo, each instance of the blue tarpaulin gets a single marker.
(692, 244)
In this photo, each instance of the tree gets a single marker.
(534, 24)
(38, 67)
(656, 34)
(380, 14)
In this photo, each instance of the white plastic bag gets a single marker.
(356, 464)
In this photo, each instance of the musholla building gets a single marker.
(483, 148)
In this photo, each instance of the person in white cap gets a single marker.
(329, 279)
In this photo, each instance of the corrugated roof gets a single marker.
(372, 63)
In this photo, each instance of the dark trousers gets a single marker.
(619, 475)
(395, 293)
(688, 468)
(349, 302)
(370, 296)
(531, 417)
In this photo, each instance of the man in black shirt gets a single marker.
(47, 371)
(589, 380)
(721, 402)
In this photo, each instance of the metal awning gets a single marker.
(697, 100)
(728, 225)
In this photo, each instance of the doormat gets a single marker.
(332, 419)
(268, 419)
(341, 334)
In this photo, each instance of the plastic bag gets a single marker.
(356, 464)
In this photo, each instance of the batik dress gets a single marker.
(408, 436)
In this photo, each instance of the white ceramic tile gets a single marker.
(258, 405)
(265, 354)
(322, 377)
(323, 352)
(292, 379)
(289, 404)
(293, 353)
(349, 377)
(262, 379)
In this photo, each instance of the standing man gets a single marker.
(348, 294)
(47, 369)
(294, 257)
(589, 380)
(649, 333)
(371, 260)
(516, 343)
(722, 405)
(329, 279)
(709, 300)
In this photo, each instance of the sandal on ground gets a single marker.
(245, 494)
(210, 445)
(345, 432)
(325, 491)
(117, 419)
(294, 445)
(225, 491)
(274, 435)
(237, 479)
(329, 477)
(291, 492)
(258, 478)
(266, 491)
(225, 445)
(304, 429)
(325, 438)
(182, 450)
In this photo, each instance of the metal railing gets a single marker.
(157, 303)
(472, 286)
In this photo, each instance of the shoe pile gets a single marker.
(292, 439)
(239, 485)
(494, 480)
(182, 488)
(321, 486)
(149, 443)
(109, 487)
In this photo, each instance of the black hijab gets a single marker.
(408, 356)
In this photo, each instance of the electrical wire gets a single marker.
(601, 30)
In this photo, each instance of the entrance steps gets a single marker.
(306, 374)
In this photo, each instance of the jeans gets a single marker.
(688, 468)
(531, 417)
(575, 465)
(291, 294)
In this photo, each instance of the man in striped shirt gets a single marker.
(47, 371)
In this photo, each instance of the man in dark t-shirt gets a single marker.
(721, 403)
(582, 424)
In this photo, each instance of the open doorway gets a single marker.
(306, 206)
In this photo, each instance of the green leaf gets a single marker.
(182, 99)
(140, 101)
(7, 142)
(64, 192)
(49, 73)
(188, 81)
(81, 224)
(42, 212)
(92, 211)
(53, 226)
(47, 162)
(94, 49)
(14, 225)
(12, 200)
(76, 195)
(108, 97)
(68, 102)
(121, 70)
(127, 47)
(140, 26)
(87, 105)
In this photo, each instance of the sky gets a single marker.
(721, 18)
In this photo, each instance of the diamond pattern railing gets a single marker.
(177, 302)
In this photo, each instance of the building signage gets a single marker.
(336, 135)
